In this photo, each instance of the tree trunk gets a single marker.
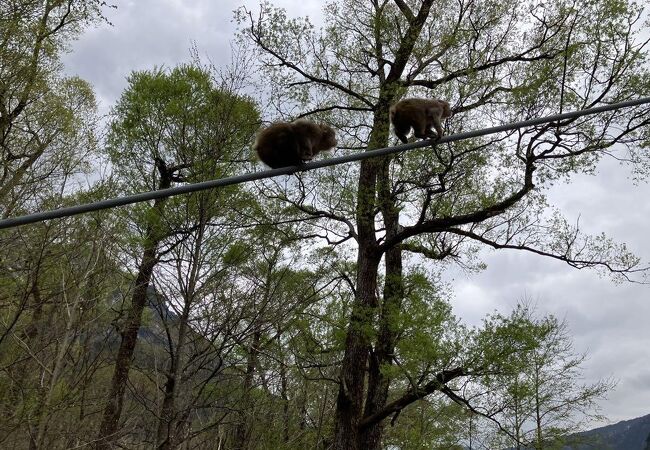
(378, 382)
(285, 403)
(59, 365)
(349, 402)
(242, 432)
(110, 421)
(169, 428)
(517, 420)
(302, 423)
(113, 409)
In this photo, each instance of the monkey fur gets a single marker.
(284, 144)
(420, 114)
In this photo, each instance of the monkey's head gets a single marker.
(328, 137)
(446, 109)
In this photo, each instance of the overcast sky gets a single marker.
(611, 322)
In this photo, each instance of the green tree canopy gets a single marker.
(47, 120)
(169, 126)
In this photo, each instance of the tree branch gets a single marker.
(577, 263)
(444, 223)
(285, 62)
(471, 70)
(405, 10)
(437, 384)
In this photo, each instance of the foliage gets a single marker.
(47, 120)
(542, 402)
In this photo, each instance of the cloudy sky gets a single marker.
(611, 322)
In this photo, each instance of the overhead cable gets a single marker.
(237, 179)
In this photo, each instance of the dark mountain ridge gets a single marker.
(633, 434)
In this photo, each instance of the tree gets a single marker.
(494, 62)
(168, 127)
(47, 122)
(54, 286)
(53, 275)
(542, 402)
(45, 118)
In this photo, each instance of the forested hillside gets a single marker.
(308, 310)
(633, 434)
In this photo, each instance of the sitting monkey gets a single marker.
(284, 144)
(420, 114)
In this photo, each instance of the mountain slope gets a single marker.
(625, 435)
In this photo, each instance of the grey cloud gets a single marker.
(150, 33)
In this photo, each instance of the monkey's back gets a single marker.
(277, 146)
(319, 137)
(405, 111)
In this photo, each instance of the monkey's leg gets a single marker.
(401, 133)
(438, 127)
(422, 131)
(305, 149)
(430, 134)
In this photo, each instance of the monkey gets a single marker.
(420, 114)
(284, 144)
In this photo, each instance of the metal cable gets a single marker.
(177, 190)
